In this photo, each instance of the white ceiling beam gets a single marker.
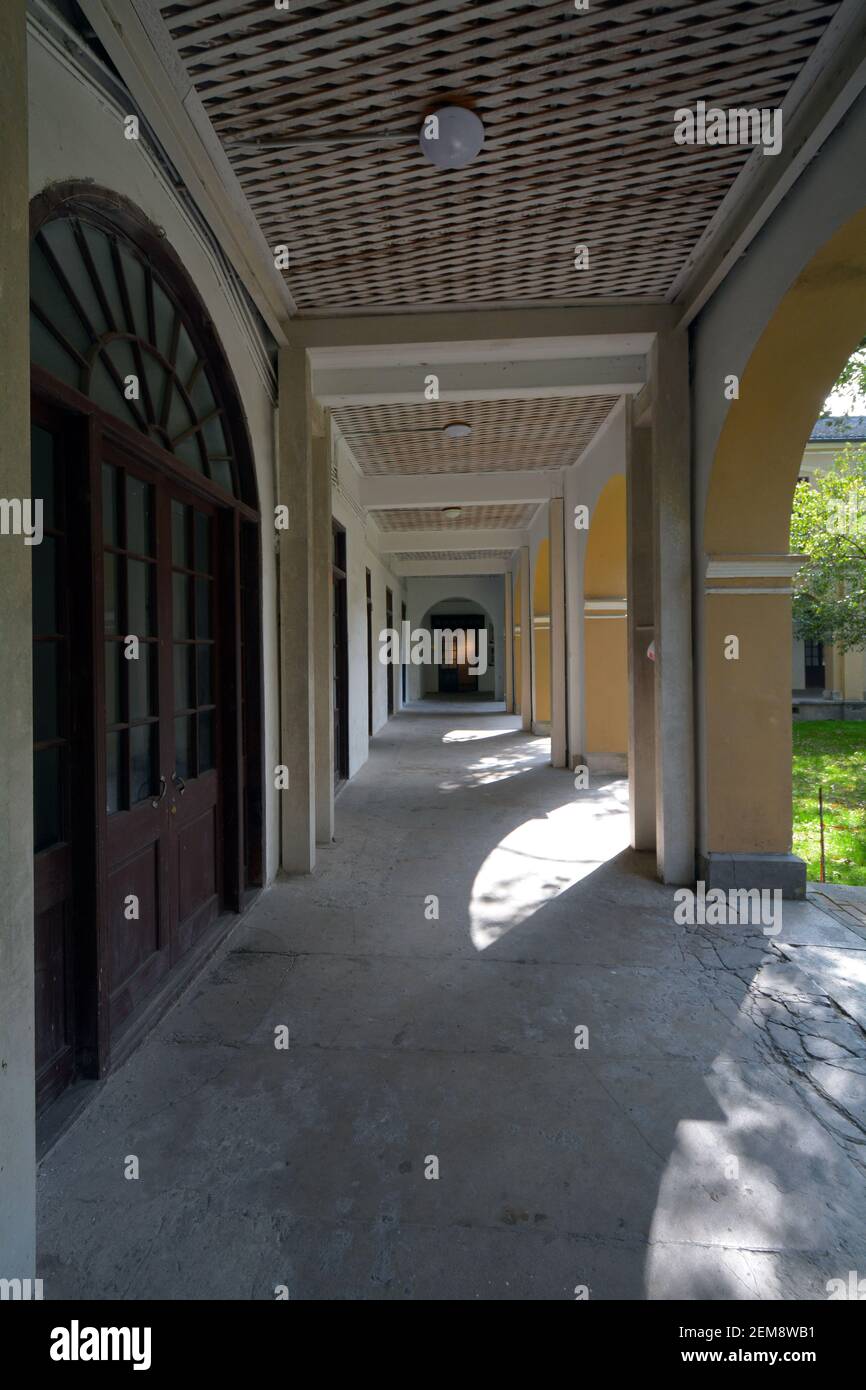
(829, 82)
(458, 489)
(136, 39)
(450, 538)
(420, 328)
(476, 381)
(432, 567)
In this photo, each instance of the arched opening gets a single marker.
(541, 637)
(148, 784)
(459, 670)
(605, 632)
(746, 650)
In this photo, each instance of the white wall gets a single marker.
(76, 133)
(458, 593)
(584, 483)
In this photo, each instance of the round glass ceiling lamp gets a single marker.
(451, 137)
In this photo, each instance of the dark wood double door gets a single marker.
(130, 641)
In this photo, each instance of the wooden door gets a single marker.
(160, 777)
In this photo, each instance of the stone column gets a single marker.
(322, 632)
(674, 695)
(525, 616)
(17, 1068)
(747, 685)
(508, 643)
(297, 740)
(558, 698)
(641, 632)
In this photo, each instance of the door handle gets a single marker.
(163, 788)
(178, 782)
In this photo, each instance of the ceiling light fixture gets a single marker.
(457, 429)
(451, 137)
(452, 512)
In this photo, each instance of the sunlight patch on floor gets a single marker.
(544, 857)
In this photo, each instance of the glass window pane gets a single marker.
(46, 291)
(115, 763)
(221, 474)
(188, 451)
(203, 603)
(112, 565)
(45, 615)
(133, 274)
(163, 311)
(142, 744)
(204, 689)
(180, 554)
(100, 251)
(181, 607)
(43, 473)
(141, 683)
(47, 352)
(60, 237)
(187, 357)
(139, 516)
(108, 393)
(110, 532)
(47, 797)
(183, 746)
(202, 542)
(206, 741)
(46, 691)
(113, 658)
(184, 697)
(139, 585)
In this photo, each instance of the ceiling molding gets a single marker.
(496, 538)
(136, 39)
(458, 489)
(533, 379)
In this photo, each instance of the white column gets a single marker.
(297, 742)
(525, 673)
(17, 1076)
(508, 642)
(558, 701)
(674, 711)
(322, 632)
(641, 632)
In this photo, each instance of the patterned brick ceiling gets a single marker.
(488, 516)
(517, 433)
(578, 110)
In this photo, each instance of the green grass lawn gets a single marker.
(832, 752)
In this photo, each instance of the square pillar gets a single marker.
(525, 673)
(558, 701)
(641, 632)
(17, 1063)
(295, 490)
(322, 632)
(674, 696)
(508, 643)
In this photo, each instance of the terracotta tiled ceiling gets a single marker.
(578, 109)
(545, 433)
(488, 516)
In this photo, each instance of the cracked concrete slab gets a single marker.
(437, 1128)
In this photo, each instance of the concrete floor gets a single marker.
(707, 1144)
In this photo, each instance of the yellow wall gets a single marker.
(605, 638)
(748, 702)
(541, 629)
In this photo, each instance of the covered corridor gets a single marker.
(705, 1143)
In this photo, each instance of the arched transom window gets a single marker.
(106, 322)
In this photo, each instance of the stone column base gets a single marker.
(784, 871)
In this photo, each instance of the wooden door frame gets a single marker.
(97, 1050)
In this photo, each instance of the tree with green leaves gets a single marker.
(828, 525)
